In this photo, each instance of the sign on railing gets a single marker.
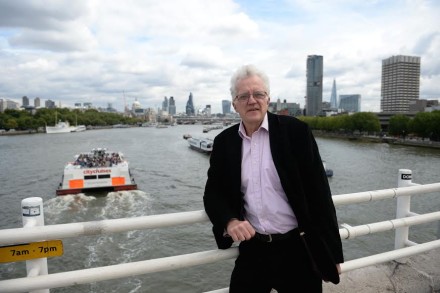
(29, 251)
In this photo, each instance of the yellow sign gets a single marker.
(27, 251)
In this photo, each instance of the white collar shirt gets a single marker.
(265, 203)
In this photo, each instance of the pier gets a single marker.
(409, 267)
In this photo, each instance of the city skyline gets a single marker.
(95, 53)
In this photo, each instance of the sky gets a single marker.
(108, 51)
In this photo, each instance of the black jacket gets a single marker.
(302, 175)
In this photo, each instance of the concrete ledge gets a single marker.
(416, 274)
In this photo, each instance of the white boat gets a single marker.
(79, 128)
(60, 127)
(203, 145)
(98, 170)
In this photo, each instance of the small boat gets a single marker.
(328, 172)
(203, 145)
(186, 136)
(98, 170)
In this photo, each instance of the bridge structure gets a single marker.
(207, 120)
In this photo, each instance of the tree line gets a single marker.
(424, 124)
(25, 120)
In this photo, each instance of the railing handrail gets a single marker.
(61, 231)
(31, 232)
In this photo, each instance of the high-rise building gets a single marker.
(25, 101)
(37, 102)
(350, 103)
(50, 104)
(165, 104)
(190, 106)
(400, 83)
(172, 106)
(315, 69)
(334, 97)
(226, 106)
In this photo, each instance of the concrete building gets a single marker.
(423, 105)
(400, 83)
(315, 69)
(25, 101)
(37, 102)
(8, 104)
(50, 104)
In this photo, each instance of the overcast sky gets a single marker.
(118, 51)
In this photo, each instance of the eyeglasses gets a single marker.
(244, 98)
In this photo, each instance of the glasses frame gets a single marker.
(241, 98)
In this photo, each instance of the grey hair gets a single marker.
(248, 71)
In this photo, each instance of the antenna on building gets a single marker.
(125, 102)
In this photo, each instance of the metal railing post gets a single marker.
(33, 215)
(403, 208)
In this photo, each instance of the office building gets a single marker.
(226, 106)
(190, 111)
(314, 74)
(165, 104)
(50, 104)
(172, 106)
(400, 83)
(25, 101)
(37, 102)
(350, 103)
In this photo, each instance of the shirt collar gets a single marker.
(264, 125)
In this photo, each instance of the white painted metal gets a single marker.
(116, 271)
(388, 256)
(35, 233)
(403, 208)
(33, 216)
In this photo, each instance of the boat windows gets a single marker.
(103, 176)
(88, 177)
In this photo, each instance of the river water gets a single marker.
(171, 178)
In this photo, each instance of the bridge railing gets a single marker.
(39, 281)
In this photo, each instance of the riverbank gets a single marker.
(416, 274)
(417, 142)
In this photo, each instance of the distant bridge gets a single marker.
(206, 120)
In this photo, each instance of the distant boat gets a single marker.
(328, 172)
(60, 127)
(64, 127)
(203, 145)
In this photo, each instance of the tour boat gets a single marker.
(203, 145)
(98, 170)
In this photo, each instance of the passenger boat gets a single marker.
(98, 170)
(203, 145)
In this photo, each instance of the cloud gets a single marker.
(95, 51)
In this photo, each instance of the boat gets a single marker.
(60, 127)
(186, 136)
(98, 170)
(328, 172)
(79, 128)
(203, 145)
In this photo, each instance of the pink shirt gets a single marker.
(266, 204)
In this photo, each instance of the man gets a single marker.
(267, 188)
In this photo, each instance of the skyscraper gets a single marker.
(165, 104)
(37, 102)
(334, 97)
(172, 106)
(226, 106)
(190, 106)
(315, 68)
(400, 83)
(25, 101)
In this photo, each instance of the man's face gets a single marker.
(251, 101)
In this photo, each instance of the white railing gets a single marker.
(40, 281)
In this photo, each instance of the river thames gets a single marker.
(171, 178)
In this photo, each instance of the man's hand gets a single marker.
(240, 230)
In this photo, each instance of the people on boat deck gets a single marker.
(97, 159)
(267, 189)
